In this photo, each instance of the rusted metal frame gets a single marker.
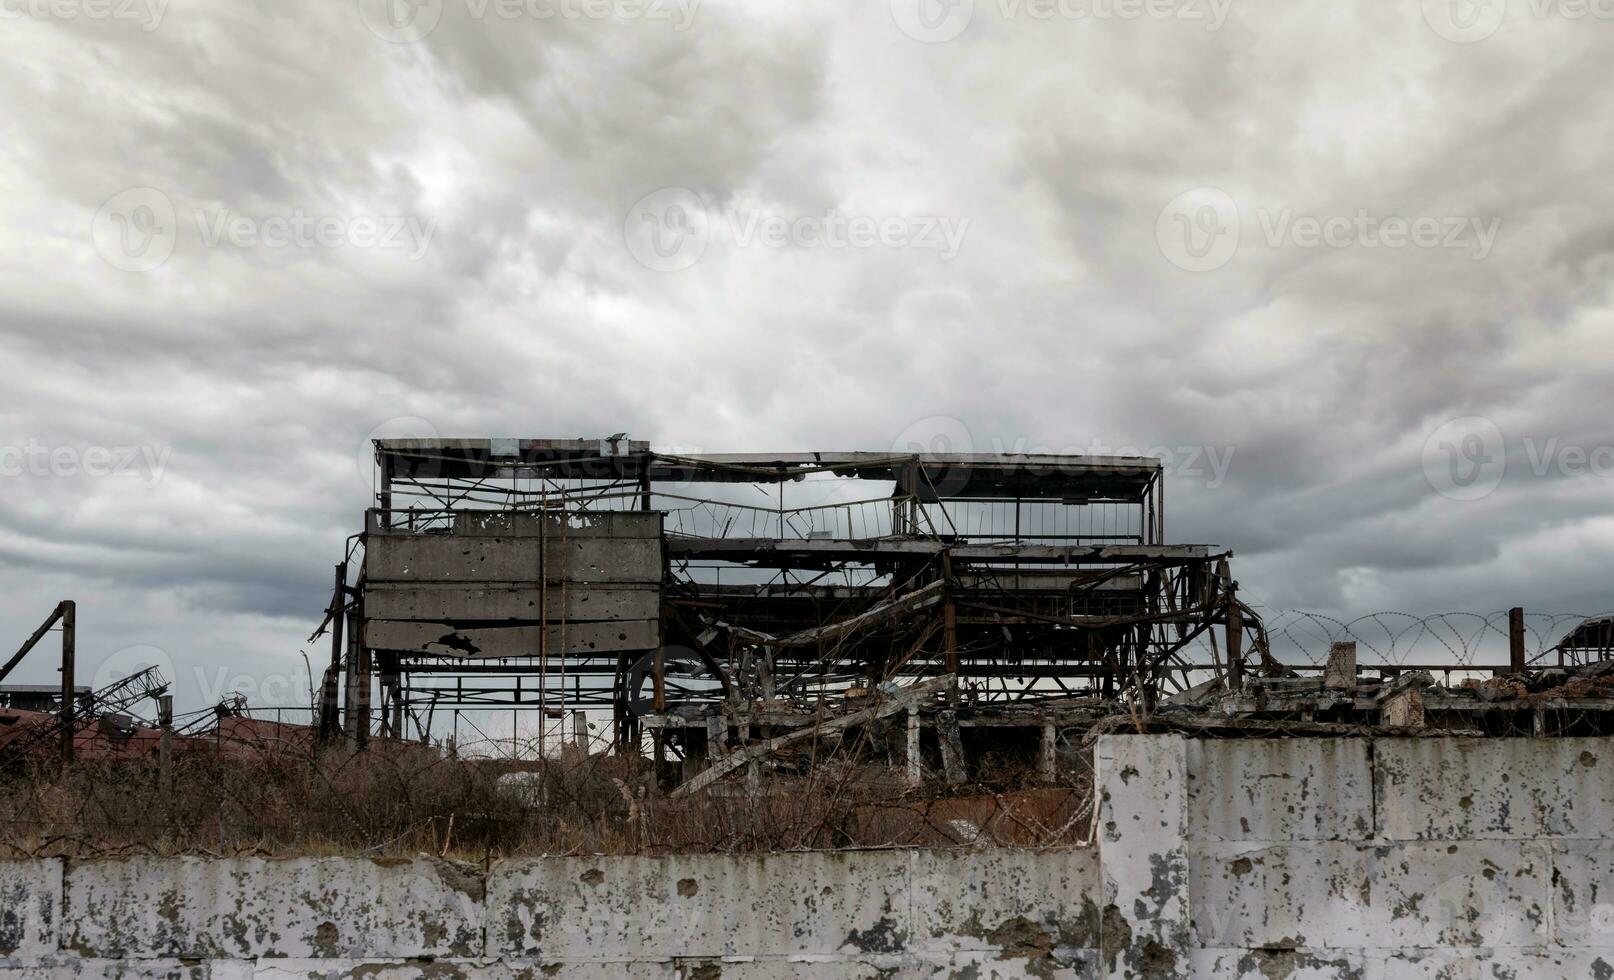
(1161, 658)
(760, 750)
(329, 710)
(939, 503)
(1235, 640)
(949, 623)
(709, 661)
(925, 636)
(69, 616)
(1097, 622)
(1516, 658)
(32, 641)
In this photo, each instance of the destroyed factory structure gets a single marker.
(721, 607)
(950, 612)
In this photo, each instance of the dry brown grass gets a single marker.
(395, 799)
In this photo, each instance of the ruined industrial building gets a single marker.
(720, 613)
(728, 607)
(842, 714)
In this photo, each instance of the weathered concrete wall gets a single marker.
(1391, 858)
(834, 914)
(1380, 859)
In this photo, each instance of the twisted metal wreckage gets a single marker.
(726, 606)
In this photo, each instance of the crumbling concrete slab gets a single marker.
(248, 907)
(65, 966)
(1282, 789)
(30, 907)
(1342, 895)
(1040, 906)
(659, 908)
(1455, 964)
(1493, 789)
(1290, 964)
(1583, 894)
(1142, 822)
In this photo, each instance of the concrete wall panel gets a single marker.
(1034, 905)
(30, 907)
(1341, 895)
(1282, 789)
(659, 908)
(443, 558)
(1583, 893)
(436, 601)
(1142, 825)
(248, 907)
(444, 640)
(1493, 789)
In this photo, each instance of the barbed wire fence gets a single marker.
(1454, 640)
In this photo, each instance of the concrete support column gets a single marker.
(915, 772)
(1143, 859)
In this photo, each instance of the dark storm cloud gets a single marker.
(519, 147)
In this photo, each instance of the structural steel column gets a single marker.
(1516, 639)
(69, 651)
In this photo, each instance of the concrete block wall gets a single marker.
(1401, 857)
(929, 914)
(1362, 858)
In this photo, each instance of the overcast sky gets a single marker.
(1345, 266)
